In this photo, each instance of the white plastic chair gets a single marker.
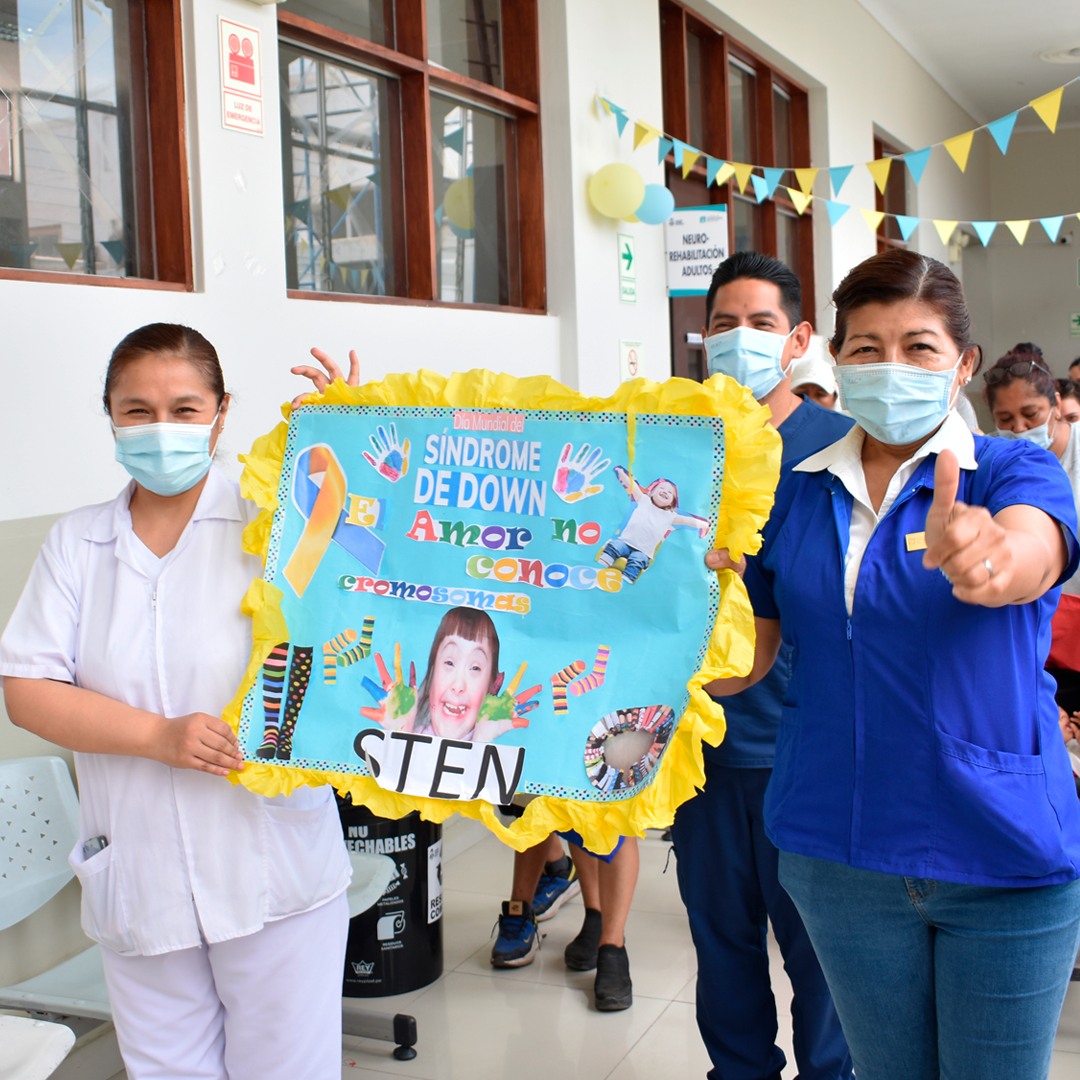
(39, 812)
(32, 1049)
(39, 824)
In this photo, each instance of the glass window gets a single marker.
(68, 176)
(373, 210)
(372, 20)
(787, 238)
(747, 224)
(695, 89)
(464, 36)
(743, 114)
(782, 128)
(473, 205)
(340, 176)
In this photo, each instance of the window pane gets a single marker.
(695, 90)
(474, 212)
(747, 224)
(465, 36)
(340, 177)
(787, 238)
(67, 185)
(372, 20)
(743, 115)
(782, 144)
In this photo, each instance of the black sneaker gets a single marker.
(580, 954)
(558, 883)
(518, 938)
(613, 988)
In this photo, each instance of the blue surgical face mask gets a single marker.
(897, 404)
(749, 356)
(166, 459)
(1042, 435)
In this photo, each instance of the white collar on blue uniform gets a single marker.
(845, 455)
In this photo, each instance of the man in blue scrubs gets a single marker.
(727, 868)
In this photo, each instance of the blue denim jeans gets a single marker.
(933, 979)
(636, 561)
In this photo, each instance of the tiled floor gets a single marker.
(538, 1021)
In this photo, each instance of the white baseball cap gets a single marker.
(813, 369)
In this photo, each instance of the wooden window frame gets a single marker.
(158, 148)
(676, 22)
(518, 100)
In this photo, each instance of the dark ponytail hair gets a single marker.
(895, 275)
(157, 339)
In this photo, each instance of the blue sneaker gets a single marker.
(518, 937)
(558, 883)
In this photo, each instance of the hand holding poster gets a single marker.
(484, 589)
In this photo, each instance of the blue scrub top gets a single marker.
(753, 717)
(920, 735)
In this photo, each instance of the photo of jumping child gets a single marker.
(654, 515)
(461, 695)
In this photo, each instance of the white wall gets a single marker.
(1028, 293)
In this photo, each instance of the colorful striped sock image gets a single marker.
(559, 681)
(330, 651)
(362, 649)
(299, 677)
(595, 677)
(273, 676)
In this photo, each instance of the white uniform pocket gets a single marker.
(104, 916)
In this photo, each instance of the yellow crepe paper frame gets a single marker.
(751, 471)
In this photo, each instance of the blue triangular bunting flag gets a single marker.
(761, 187)
(115, 248)
(663, 148)
(984, 230)
(772, 179)
(906, 224)
(837, 175)
(621, 118)
(712, 170)
(836, 210)
(1002, 131)
(916, 163)
(1052, 226)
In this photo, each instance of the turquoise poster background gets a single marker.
(487, 602)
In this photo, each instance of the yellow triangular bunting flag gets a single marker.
(644, 133)
(945, 229)
(879, 170)
(1019, 229)
(959, 147)
(603, 104)
(805, 179)
(340, 196)
(688, 159)
(800, 200)
(742, 174)
(1048, 106)
(727, 171)
(874, 218)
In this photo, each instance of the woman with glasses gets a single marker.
(1026, 404)
(927, 822)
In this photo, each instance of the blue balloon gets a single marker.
(657, 206)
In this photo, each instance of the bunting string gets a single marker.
(764, 181)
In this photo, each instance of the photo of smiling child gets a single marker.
(654, 515)
(461, 694)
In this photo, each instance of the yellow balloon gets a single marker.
(459, 203)
(616, 190)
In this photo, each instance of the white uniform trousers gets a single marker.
(260, 1007)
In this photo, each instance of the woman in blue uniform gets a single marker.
(928, 827)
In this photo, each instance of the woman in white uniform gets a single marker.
(222, 914)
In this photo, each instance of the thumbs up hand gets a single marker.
(964, 542)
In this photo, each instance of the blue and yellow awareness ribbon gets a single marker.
(320, 493)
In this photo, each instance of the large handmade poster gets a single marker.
(484, 590)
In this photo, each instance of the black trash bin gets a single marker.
(396, 945)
